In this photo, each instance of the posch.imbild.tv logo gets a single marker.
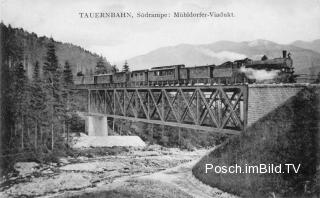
(254, 169)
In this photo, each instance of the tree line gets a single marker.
(36, 113)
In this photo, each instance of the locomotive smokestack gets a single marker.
(284, 53)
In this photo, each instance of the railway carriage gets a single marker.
(78, 80)
(139, 77)
(228, 73)
(89, 80)
(200, 74)
(120, 77)
(165, 73)
(104, 78)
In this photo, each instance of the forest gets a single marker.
(37, 108)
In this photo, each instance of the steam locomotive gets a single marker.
(277, 70)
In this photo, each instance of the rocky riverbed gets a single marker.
(78, 175)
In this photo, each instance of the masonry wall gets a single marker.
(263, 99)
(97, 125)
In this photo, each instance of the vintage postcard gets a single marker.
(146, 98)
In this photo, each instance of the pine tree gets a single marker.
(51, 64)
(36, 72)
(114, 69)
(68, 98)
(19, 91)
(37, 103)
(67, 74)
(101, 67)
(125, 67)
(52, 82)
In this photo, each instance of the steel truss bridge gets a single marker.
(215, 108)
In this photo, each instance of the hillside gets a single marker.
(34, 49)
(219, 52)
(312, 45)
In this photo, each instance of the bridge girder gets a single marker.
(220, 109)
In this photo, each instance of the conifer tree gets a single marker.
(51, 64)
(37, 103)
(68, 97)
(125, 67)
(19, 94)
(114, 69)
(67, 74)
(52, 77)
(36, 72)
(101, 67)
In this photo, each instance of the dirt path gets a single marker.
(182, 178)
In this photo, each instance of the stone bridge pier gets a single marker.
(97, 125)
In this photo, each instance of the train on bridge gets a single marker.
(277, 70)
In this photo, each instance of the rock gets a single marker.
(63, 160)
(53, 164)
(48, 171)
(109, 141)
(43, 185)
(82, 158)
(83, 135)
(26, 168)
(92, 166)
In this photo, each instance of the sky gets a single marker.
(281, 21)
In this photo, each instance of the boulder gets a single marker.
(26, 168)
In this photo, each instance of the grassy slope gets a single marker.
(290, 134)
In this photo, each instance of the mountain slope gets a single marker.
(312, 45)
(34, 49)
(219, 52)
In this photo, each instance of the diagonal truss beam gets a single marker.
(221, 108)
(174, 100)
(171, 106)
(207, 108)
(188, 108)
(225, 97)
(212, 100)
(156, 105)
(142, 104)
(118, 101)
(129, 105)
(233, 107)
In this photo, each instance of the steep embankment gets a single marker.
(288, 134)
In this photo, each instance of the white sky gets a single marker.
(281, 21)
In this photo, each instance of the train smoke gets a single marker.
(259, 74)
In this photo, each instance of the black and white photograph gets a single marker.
(160, 98)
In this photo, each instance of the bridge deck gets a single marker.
(213, 108)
